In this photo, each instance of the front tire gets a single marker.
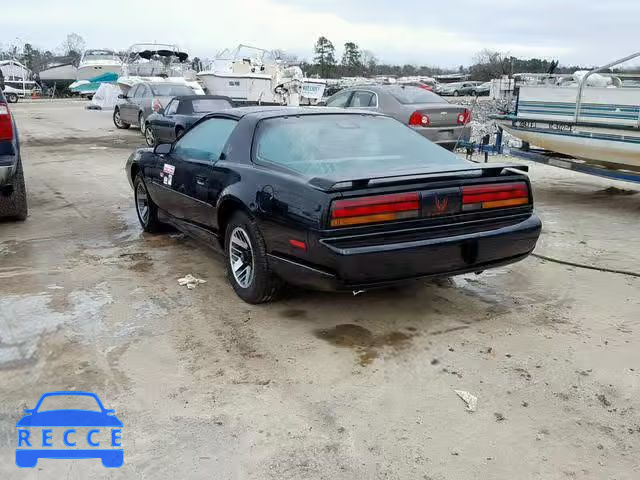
(247, 263)
(456, 93)
(117, 120)
(14, 205)
(149, 137)
(145, 208)
(11, 97)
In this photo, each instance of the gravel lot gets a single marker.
(316, 386)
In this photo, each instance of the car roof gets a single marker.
(263, 112)
(201, 97)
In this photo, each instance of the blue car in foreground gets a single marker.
(29, 451)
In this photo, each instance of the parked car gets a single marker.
(481, 90)
(13, 193)
(331, 199)
(457, 89)
(142, 99)
(168, 123)
(424, 111)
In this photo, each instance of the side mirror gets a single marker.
(28, 410)
(161, 111)
(122, 96)
(321, 103)
(109, 411)
(162, 149)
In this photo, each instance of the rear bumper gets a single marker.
(445, 136)
(383, 265)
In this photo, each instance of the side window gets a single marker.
(362, 99)
(340, 100)
(171, 108)
(139, 92)
(131, 93)
(205, 141)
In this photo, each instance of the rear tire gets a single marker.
(11, 97)
(247, 263)
(146, 210)
(14, 205)
(141, 123)
(117, 120)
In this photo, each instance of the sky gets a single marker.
(421, 32)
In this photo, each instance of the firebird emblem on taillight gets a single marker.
(441, 204)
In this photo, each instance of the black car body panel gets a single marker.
(179, 115)
(290, 207)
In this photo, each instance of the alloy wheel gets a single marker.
(142, 203)
(241, 257)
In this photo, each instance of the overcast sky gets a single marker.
(446, 33)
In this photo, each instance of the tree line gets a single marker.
(486, 65)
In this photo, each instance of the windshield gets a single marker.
(347, 145)
(409, 95)
(66, 402)
(164, 90)
(209, 104)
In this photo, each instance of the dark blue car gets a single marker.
(28, 451)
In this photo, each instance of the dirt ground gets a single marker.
(318, 385)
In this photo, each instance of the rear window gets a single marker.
(408, 95)
(209, 104)
(359, 145)
(163, 90)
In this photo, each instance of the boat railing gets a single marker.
(583, 83)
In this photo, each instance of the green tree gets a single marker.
(325, 57)
(351, 59)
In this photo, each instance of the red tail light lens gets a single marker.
(418, 119)
(380, 208)
(464, 117)
(6, 126)
(156, 105)
(479, 197)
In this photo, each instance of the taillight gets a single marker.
(478, 197)
(6, 125)
(464, 117)
(418, 119)
(156, 105)
(380, 208)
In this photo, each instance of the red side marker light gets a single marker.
(298, 244)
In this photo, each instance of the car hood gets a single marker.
(69, 418)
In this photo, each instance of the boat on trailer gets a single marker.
(252, 74)
(598, 125)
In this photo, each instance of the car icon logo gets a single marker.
(69, 433)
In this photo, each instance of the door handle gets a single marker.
(201, 180)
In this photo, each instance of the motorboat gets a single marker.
(252, 74)
(157, 62)
(61, 70)
(98, 62)
(592, 118)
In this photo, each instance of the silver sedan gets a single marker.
(429, 114)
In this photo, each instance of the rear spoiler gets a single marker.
(482, 170)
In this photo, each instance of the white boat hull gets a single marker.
(619, 147)
(59, 73)
(251, 88)
(87, 72)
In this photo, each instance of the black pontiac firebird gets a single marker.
(331, 199)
